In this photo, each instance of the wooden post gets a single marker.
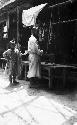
(8, 24)
(18, 37)
(17, 25)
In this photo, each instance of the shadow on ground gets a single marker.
(58, 87)
(69, 90)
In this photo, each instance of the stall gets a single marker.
(57, 37)
(57, 25)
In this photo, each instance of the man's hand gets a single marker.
(41, 51)
(26, 52)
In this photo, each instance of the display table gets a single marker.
(52, 71)
(3, 62)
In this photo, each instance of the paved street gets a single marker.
(20, 105)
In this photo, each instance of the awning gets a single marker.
(29, 16)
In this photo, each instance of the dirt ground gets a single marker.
(67, 96)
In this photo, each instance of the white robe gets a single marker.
(34, 58)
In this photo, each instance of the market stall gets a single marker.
(56, 37)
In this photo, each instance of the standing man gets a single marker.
(34, 51)
(12, 62)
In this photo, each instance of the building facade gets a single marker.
(11, 22)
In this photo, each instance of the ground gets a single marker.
(21, 105)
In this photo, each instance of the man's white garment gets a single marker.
(34, 59)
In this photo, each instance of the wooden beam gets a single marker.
(17, 25)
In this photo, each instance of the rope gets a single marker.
(68, 21)
(60, 3)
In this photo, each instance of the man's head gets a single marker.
(12, 44)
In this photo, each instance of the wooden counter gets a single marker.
(51, 71)
(3, 62)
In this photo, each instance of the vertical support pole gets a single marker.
(18, 36)
(17, 25)
(8, 24)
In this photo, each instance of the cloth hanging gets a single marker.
(29, 16)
